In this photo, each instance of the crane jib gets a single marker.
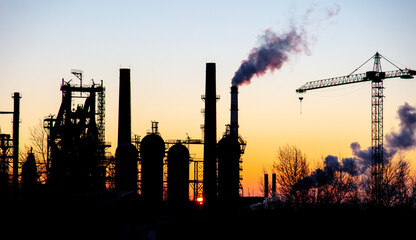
(357, 78)
(376, 77)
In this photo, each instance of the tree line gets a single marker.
(390, 183)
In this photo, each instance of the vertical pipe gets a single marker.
(16, 119)
(234, 111)
(273, 184)
(124, 108)
(266, 185)
(210, 137)
(93, 112)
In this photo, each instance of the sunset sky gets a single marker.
(167, 43)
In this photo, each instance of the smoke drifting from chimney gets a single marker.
(275, 49)
(272, 53)
(405, 138)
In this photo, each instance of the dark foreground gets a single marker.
(125, 216)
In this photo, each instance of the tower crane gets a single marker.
(376, 77)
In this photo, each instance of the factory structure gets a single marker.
(9, 147)
(76, 139)
(153, 188)
(157, 170)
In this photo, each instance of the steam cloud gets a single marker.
(326, 176)
(274, 50)
(363, 156)
(270, 55)
(405, 139)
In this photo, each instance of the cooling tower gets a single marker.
(178, 175)
(152, 152)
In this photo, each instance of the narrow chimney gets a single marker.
(16, 123)
(126, 153)
(234, 111)
(124, 109)
(210, 137)
(266, 185)
(273, 184)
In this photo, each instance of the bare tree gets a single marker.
(341, 187)
(393, 188)
(401, 182)
(38, 141)
(290, 167)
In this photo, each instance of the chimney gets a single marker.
(124, 109)
(210, 137)
(16, 123)
(234, 111)
(273, 184)
(266, 185)
(126, 153)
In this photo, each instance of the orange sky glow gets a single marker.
(166, 47)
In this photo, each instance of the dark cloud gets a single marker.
(405, 138)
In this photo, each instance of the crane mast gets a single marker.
(376, 76)
(377, 95)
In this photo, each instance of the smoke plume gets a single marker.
(322, 177)
(276, 49)
(272, 53)
(362, 157)
(405, 138)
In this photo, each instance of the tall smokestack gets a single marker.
(210, 137)
(124, 109)
(16, 122)
(126, 153)
(234, 111)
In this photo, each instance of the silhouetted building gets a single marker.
(126, 167)
(178, 175)
(29, 173)
(228, 169)
(76, 139)
(152, 153)
(229, 150)
(5, 156)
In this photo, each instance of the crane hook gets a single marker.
(300, 99)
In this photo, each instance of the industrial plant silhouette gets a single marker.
(146, 191)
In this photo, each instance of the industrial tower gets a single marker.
(376, 77)
(76, 138)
